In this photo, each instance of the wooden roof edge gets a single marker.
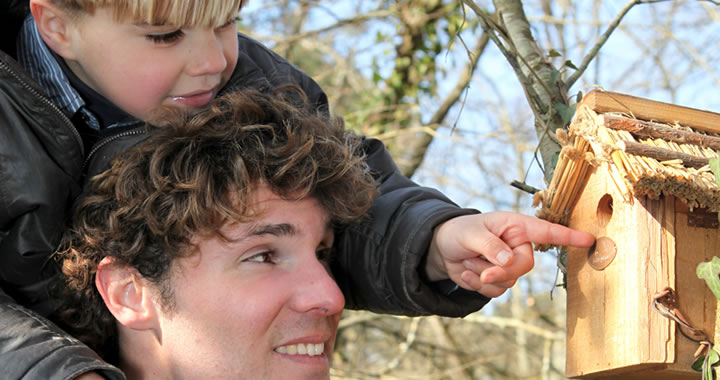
(651, 110)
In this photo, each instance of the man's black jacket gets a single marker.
(42, 169)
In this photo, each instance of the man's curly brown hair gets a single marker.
(191, 176)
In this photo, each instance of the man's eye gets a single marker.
(165, 38)
(262, 257)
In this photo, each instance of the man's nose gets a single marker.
(316, 291)
(208, 55)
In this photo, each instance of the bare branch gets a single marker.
(491, 28)
(603, 39)
(404, 347)
(359, 19)
(502, 322)
(421, 146)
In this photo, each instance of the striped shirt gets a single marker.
(37, 59)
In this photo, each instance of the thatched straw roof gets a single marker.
(650, 148)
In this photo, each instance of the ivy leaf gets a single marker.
(566, 112)
(554, 76)
(710, 272)
(710, 360)
(698, 363)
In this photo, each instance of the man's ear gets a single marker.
(126, 294)
(53, 24)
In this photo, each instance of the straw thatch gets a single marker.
(644, 158)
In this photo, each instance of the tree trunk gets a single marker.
(543, 90)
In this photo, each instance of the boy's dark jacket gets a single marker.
(42, 160)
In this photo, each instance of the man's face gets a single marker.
(252, 308)
(139, 67)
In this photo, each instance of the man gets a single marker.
(203, 252)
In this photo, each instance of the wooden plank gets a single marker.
(651, 110)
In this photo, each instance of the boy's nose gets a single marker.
(316, 291)
(208, 57)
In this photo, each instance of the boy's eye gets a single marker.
(230, 22)
(166, 38)
(267, 257)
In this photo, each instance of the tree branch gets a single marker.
(490, 28)
(422, 144)
(602, 39)
(376, 14)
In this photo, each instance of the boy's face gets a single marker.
(243, 308)
(139, 67)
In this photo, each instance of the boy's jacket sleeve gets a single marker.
(378, 264)
(380, 261)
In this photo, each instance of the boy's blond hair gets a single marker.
(185, 13)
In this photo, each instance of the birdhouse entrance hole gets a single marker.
(605, 209)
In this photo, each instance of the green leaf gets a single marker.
(715, 167)
(554, 76)
(578, 97)
(711, 361)
(571, 65)
(713, 358)
(698, 363)
(553, 53)
(566, 112)
(376, 77)
(380, 37)
(710, 272)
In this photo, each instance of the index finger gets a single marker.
(543, 232)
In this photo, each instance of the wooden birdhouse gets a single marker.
(635, 174)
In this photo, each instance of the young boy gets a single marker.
(105, 66)
(237, 285)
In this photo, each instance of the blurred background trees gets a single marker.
(467, 95)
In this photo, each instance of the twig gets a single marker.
(645, 128)
(404, 347)
(600, 42)
(524, 187)
(662, 154)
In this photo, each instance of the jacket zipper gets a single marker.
(107, 140)
(47, 102)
